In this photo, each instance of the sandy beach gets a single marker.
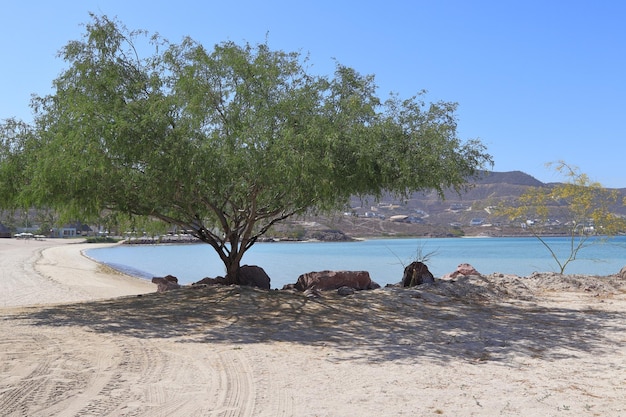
(79, 339)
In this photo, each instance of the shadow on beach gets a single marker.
(381, 325)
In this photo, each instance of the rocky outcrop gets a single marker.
(417, 273)
(328, 235)
(622, 272)
(167, 283)
(253, 276)
(462, 270)
(333, 280)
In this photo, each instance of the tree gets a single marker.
(584, 205)
(14, 136)
(227, 142)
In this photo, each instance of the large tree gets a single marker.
(229, 141)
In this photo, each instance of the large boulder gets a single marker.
(248, 275)
(417, 273)
(462, 270)
(622, 272)
(253, 276)
(333, 280)
(166, 283)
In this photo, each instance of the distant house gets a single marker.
(399, 218)
(72, 230)
(5, 232)
(476, 222)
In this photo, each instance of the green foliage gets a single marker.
(15, 136)
(101, 239)
(225, 142)
(297, 233)
(456, 232)
(585, 205)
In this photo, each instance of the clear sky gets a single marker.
(536, 80)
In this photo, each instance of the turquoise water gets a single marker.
(383, 258)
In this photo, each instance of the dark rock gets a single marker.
(332, 280)
(329, 235)
(345, 291)
(166, 283)
(211, 281)
(253, 276)
(417, 273)
(248, 275)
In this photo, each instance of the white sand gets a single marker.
(545, 351)
(55, 270)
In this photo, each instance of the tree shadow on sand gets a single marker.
(380, 325)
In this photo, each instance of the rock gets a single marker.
(248, 275)
(345, 291)
(622, 272)
(462, 270)
(166, 283)
(332, 280)
(253, 276)
(312, 293)
(329, 235)
(466, 269)
(211, 281)
(417, 273)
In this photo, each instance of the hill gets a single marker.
(467, 213)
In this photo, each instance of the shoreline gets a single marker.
(51, 271)
(384, 259)
(495, 345)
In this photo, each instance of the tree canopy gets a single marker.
(224, 142)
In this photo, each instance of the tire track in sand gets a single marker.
(82, 373)
(15, 398)
(73, 371)
(274, 395)
(249, 385)
(236, 387)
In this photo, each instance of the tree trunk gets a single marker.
(232, 270)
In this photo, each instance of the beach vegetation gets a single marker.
(223, 142)
(101, 239)
(585, 206)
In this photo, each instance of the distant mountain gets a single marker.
(510, 177)
(427, 214)
(488, 189)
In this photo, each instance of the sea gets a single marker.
(384, 259)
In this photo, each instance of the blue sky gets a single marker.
(536, 81)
